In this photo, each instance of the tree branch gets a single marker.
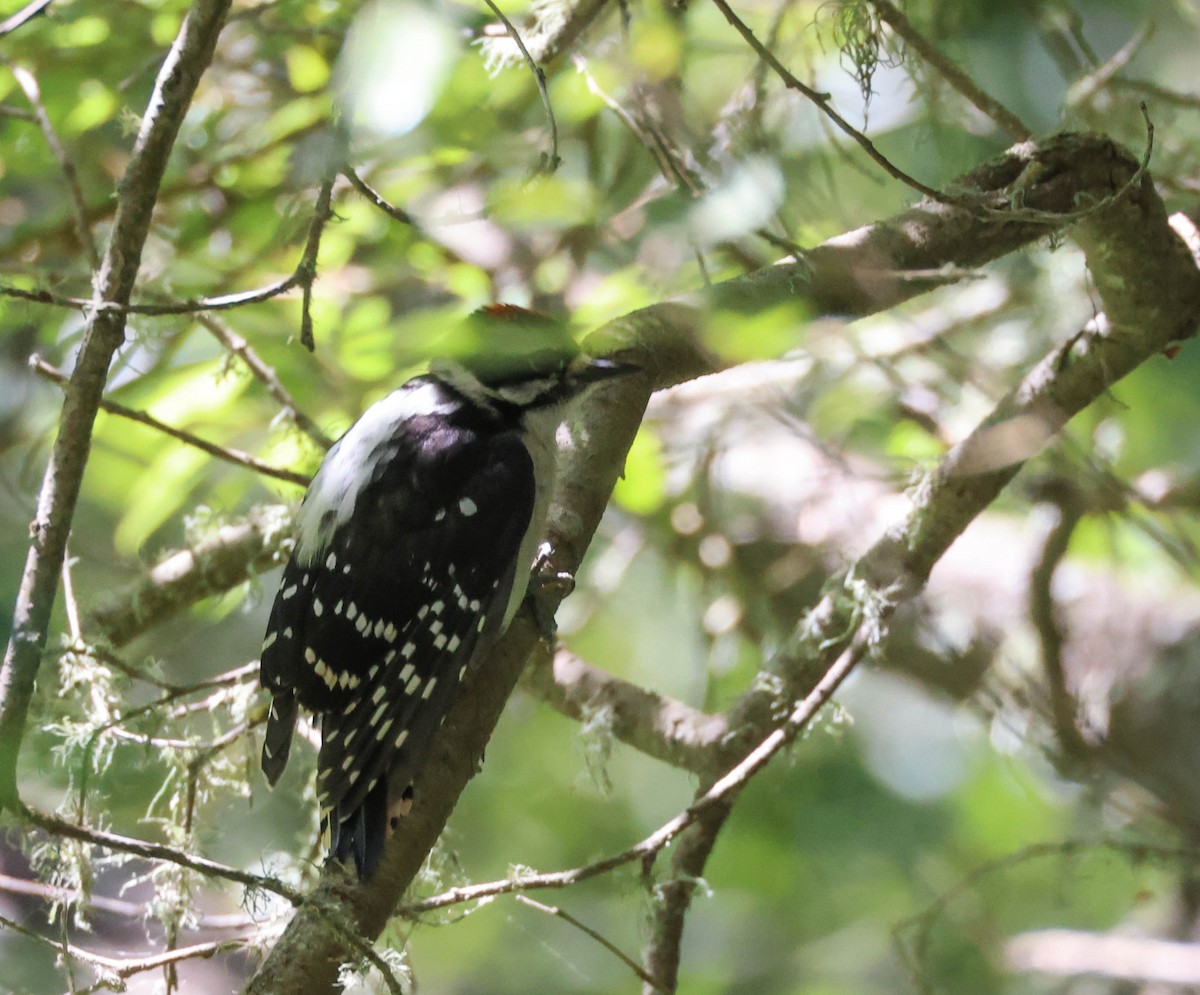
(230, 556)
(855, 273)
(722, 793)
(265, 375)
(226, 453)
(983, 101)
(653, 723)
(29, 85)
(823, 104)
(189, 56)
(113, 971)
(560, 913)
(673, 898)
(158, 851)
(23, 16)
(1064, 499)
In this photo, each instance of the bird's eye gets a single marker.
(547, 361)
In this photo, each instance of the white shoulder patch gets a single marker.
(346, 468)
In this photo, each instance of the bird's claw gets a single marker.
(549, 586)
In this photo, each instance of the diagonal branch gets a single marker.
(823, 103)
(177, 80)
(673, 898)
(653, 723)
(23, 16)
(1005, 119)
(226, 453)
(854, 274)
(233, 554)
(721, 794)
(79, 217)
(237, 345)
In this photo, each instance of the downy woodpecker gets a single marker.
(414, 546)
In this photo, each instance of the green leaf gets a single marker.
(168, 484)
(84, 32)
(307, 69)
(95, 105)
(643, 487)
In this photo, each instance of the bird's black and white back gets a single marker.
(413, 550)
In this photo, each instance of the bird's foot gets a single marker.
(549, 586)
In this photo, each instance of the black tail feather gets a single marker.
(277, 741)
(361, 834)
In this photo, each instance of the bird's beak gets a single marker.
(589, 370)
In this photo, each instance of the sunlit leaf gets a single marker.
(656, 48)
(83, 32)
(307, 68)
(96, 105)
(768, 334)
(174, 473)
(542, 200)
(643, 487)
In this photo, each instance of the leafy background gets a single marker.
(676, 150)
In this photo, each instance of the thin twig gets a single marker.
(1085, 88)
(560, 913)
(1160, 93)
(70, 602)
(823, 104)
(988, 105)
(231, 678)
(160, 852)
(207, 747)
(550, 162)
(376, 198)
(1063, 497)
(189, 56)
(733, 781)
(104, 903)
(266, 375)
(226, 453)
(302, 276)
(23, 16)
(150, 708)
(79, 215)
(643, 131)
(306, 272)
(673, 898)
(224, 302)
(127, 967)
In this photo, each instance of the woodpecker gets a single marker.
(413, 549)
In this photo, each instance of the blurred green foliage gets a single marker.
(677, 151)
